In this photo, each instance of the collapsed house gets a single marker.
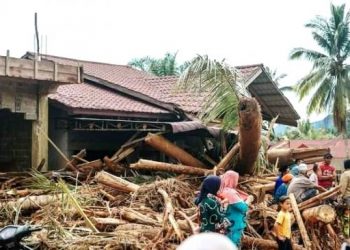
(24, 89)
(116, 102)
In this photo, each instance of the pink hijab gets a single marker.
(229, 182)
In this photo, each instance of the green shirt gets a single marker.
(211, 214)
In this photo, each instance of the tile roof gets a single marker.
(163, 89)
(336, 145)
(87, 96)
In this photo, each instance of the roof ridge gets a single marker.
(249, 66)
(79, 60)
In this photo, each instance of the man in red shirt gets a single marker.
(326, 173)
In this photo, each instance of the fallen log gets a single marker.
(287, 156)
(115, 182)
(228, 157)
(302, 229)
(96, 165)
(31, 202)
(136, 217)
(170, 149)
(258, 243)
(324, 213)
(168, 167)
(316, 200)
(266, 187)
(249, 134)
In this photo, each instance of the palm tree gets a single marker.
(165, 66)
(221, 84)
(277, 77)
(329, 77)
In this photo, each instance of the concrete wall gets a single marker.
(15, 142)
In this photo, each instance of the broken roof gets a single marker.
(158, 94)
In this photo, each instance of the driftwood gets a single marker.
(92, 165)
(30, 202)
(249, 134)
(316, 200)
(302, 229)
(168, 167)
(115, 182)
(169, 213)
(258, 243)
(170, 149)
(324, 213)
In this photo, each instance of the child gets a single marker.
(313, 177)
(212, 216)
(282, 227)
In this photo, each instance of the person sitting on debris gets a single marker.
(283, 224)
(345, 194)
(211, 213)
(302, 188)
(327, 173)
(313, 177)
(283, 171)
(293, 169)
(282, 190)
(236, 209)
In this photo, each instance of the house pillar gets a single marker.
(40, 129)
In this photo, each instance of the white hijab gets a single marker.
(207, 241)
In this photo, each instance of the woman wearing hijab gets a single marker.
(236, 209)
(211, 213)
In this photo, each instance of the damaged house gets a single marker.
(117, 105)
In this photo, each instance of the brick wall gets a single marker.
(15, 142)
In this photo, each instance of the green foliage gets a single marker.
(221, 84)
(328, 80)
(306, 131)
(166, 66)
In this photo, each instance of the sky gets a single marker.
(114, 31)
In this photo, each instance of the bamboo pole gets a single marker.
(168, 167)
(115, 182)
(31, 202)
(302, 229)
(170, 149)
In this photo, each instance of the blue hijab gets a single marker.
(210, 185)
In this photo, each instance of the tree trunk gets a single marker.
(115, 182)
(170, 149)
(30, 202)
(324, 213)
(96, 165)
(302, 229)
(168, 167)
(249, 134)
(257, 243)
(316, 200)
(287, 156)
(228, 157)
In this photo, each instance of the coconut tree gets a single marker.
(166, 66)
(224, 91)
(328, 81)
